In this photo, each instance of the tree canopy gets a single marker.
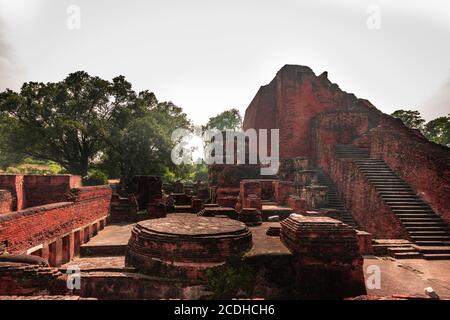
(85, 121)
(227, 120)
(411, 119)
(437, 130)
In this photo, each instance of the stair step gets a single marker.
(407, 255)
(395, 193)
(334, 200)
(423, 224)
(351, 153)
(412, 215)
(383, 176)
(369, 178)
(432, 243)
(418, 210)
(427, 229)
(393, 188)
(402, 202)
(373, 166)
(420, 219)
(434, 250)
(405, 248)
(380, 174)
(430, 238)
(385, 181)
(428, 233)
(387, 184)
(397, 199)
(436, 256)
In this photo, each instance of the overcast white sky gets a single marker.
(207, 56)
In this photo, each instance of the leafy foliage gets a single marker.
(225, 283)
(437, 130)
(83, 121)
(229, 119)
(96, 178)
(411, 119)
(62, 122)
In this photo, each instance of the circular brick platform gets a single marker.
(184, 245)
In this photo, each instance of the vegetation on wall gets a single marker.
(437, 130)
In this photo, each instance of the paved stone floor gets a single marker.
(96, 263)
(404, 276)
(410, 276)
(113, 234)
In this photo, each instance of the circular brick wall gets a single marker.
(185, 245)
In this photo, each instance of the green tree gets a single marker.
(63, 122)
(438, 131)
(85, 121)
(200, 172)
(8, 156)
(411, 119)
(140, 148)
(227, 120)
(140, 142)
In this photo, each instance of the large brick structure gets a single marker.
(393, 172)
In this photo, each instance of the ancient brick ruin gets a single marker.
(353, 182)
(52, 215)
(383, 177)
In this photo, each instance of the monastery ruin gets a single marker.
(355, 188)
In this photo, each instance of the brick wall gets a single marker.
(294, 97)
(14, 184)
(423, 165)
(333, 127)
(35, 190)
(45, 189)
(6, 201)
(24, 229)
(361, 198)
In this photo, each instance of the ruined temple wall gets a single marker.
(423, 165)
(25, 229)
(263, 104)
(6, 201)
(334, 127)
(293, 98)
(44, 189)
(36, 190)
(14, 184)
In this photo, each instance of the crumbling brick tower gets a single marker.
(394, 182)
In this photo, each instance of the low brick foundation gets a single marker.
(56, 231)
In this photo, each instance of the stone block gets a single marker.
(250, 216)
(327, 257)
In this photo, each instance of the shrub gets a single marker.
(95, 178)
(224, 283)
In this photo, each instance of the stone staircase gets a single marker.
(397, 248)
(429, 232)
(334, 201)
